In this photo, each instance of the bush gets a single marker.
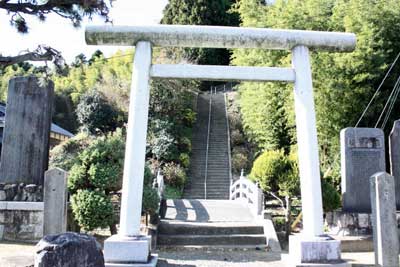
(96, 114)
(150, 201)
(239, 161)
(184, 159)
(65, 154)
(235, 121)
(237, 138)
(172, 192)
(267, 168)
(162, 143)
(92, 209)
(330, 196)
(276, 172)
(174, 175)
(100, 165)
(96, 172)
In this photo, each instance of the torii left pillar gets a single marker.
(129, 247)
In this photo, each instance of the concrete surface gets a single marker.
(207, 211)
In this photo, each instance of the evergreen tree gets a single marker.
(202, 12)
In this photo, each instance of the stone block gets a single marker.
(1, 231)
(305, 250)
(69, 249)
(362, 155)
(127, 249)
(364, 220)
(3, 195)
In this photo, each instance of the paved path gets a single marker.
(21, 255)
(193, 210)
(250, 258)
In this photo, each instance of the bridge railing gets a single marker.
(247, 191)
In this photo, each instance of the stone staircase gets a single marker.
(214, 185)
(205, 218)
(209, 224)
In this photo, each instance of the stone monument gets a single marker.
(362, 155)
(394, 152)
(25, 149)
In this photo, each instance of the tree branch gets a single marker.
(42, 53)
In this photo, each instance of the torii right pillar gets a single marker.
(311, 247)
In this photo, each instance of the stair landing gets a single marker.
(199, 210)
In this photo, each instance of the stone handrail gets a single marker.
(245, 190)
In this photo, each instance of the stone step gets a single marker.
(211, 240)
(195, 228)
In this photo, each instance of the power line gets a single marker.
(377, 90)
(392, 103)
(387, 102)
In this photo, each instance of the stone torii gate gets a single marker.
(129, 246)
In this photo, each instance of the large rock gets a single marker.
(69, 250)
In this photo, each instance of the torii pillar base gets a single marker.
(321, 251)
(121, 251)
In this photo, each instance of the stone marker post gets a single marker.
(55, 202)
(394, 152)
(386, 240)
(25, 150)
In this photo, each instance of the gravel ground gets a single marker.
(21, 255)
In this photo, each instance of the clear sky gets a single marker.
(61, 35)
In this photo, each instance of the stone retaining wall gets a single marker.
(22, 221)
(348, 224)
(21, 192)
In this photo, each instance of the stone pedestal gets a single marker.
(128, 251)
(315, 251)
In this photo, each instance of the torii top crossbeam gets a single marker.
(219, 37)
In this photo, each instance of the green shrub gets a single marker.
(174, 174)
(92, 209)
(162, 143)
(96, 114)
(96, 172)
(268, 167)
(148, 176)
(100, 165)
(330, 196)
(65, 154)
(235, 121)
(184, 159)
(189, 117)
(237, 138)
(239, 161)
(77, 178)
(151, 201)
(172, 192)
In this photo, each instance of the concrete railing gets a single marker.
(249, 192)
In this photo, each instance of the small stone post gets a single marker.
(55, 202)
(386, 241)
